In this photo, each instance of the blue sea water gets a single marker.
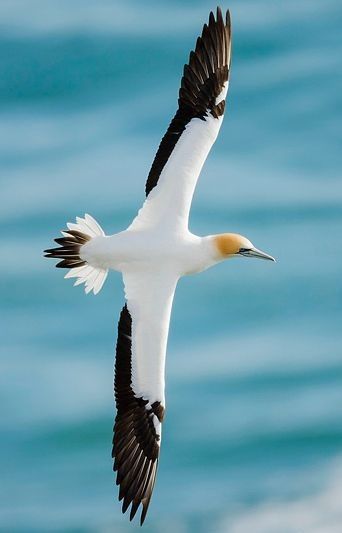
(253, 433)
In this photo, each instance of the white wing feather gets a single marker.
(149, 301)
(168, 204)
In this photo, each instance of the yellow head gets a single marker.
(234, 245)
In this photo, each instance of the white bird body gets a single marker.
(149, 250)
(152, 254)
(151, 262)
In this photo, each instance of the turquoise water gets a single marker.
(253, 435)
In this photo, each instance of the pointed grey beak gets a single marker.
(254, 252)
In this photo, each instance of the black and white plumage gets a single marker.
(203, 88)
(136, 431)
(152, 254)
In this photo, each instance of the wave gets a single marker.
(317, 512)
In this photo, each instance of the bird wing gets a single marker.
(193, 130)
(139, 385)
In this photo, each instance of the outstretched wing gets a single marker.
(184, 148)
(139, 386)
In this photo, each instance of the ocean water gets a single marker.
(253, 434)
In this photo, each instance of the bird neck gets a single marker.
(209, 253)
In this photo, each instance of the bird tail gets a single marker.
(70, 251)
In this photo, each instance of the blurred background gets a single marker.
(253, 434)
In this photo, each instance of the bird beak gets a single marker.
(254, 252)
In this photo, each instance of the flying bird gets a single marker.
(152, 254)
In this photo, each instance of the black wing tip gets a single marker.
(144, 502)
(219, 17)
(136, 483)
(228, 19)
(134, 508)
(220, 11)
(218, 28)
(144, 513)
(143, 499)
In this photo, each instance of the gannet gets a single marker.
(152, 254)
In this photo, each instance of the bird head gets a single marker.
(234, 245)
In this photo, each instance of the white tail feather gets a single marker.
(92, 277)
